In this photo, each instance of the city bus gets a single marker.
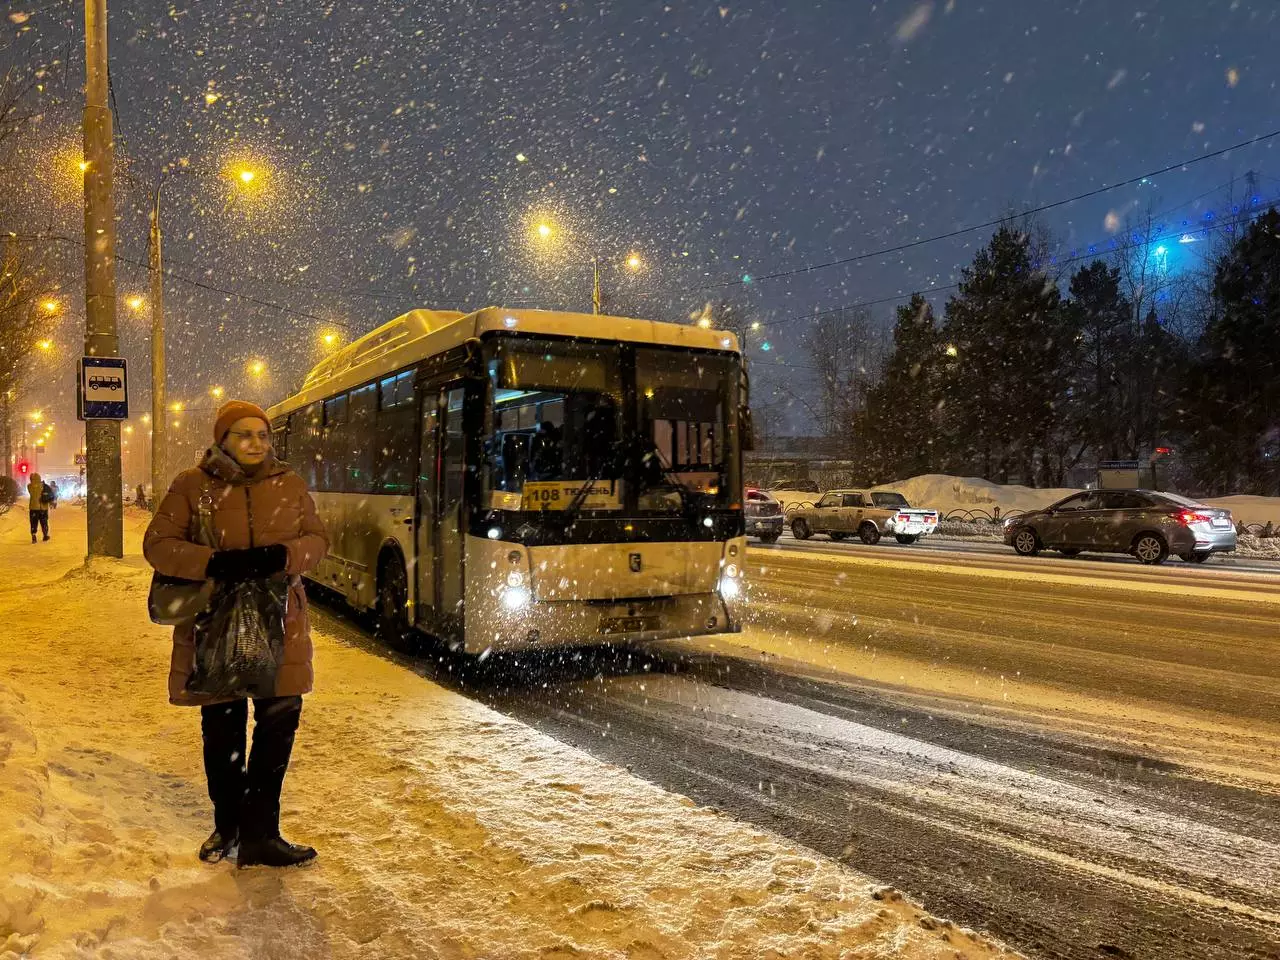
(509, 479)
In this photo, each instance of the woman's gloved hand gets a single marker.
(255, 563)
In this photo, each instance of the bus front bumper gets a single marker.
(556, 623)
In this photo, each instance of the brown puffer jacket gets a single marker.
(271, 507)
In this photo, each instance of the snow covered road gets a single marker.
(445, 829)
(1089, 769)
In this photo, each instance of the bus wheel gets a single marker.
(394, 628)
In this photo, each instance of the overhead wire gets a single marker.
(938, 288)
(749, 279)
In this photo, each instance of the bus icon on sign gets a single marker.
(102, 389)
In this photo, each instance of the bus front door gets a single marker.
(441, 537)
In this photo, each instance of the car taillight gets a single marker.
(1188, 517)
(904, 517)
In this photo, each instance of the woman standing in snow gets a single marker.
(263, 522)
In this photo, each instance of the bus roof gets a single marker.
(424, 333)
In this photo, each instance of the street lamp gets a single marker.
(256, 368)
(546, 232)
(216, 392)
(155, 250)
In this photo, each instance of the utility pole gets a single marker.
(103, 505)
(158, 420)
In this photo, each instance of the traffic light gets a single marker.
(24, 468)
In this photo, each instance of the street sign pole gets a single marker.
(103, 500)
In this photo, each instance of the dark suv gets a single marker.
(1146, 524)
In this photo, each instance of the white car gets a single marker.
(870, 514)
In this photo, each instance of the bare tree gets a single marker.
(845, 354)
(22, 265)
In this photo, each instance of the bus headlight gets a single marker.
(730, 588)
(515, 599)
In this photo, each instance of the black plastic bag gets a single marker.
(240, 639)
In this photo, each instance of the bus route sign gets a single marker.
(102, 392)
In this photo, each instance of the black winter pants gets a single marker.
(40, 519)
(246, 791)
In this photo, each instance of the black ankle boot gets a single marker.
(217, 846)
(273, 852)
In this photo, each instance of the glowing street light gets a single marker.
(176, 407)
(136, 302)
(952, 351)
(216, 392)
(545, 231)
(246, 176)
(51, 306)
(46, 345)
(257, 368)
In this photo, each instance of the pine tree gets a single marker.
(1236, 399)
(1008, 351)
(1100, 312)
(895, 432)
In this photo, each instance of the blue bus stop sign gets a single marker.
(103, 389)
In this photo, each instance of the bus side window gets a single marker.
(360, 439)
(395, 447)
(334, 444)
(304, 442)
(280, 438)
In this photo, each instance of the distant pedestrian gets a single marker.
(53, 491)
(141, 497)
(264, 522)
(40, 496)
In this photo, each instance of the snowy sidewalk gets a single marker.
(444, 829)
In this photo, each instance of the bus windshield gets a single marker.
(593, 427)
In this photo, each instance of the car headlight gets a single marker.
(515, 599)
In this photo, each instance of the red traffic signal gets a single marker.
(24, 467)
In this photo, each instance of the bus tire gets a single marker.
(394, 628)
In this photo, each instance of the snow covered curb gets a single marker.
(445, 829)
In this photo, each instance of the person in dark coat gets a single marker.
(38, 510)
(263, 522)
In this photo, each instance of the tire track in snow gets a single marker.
(1053, 893)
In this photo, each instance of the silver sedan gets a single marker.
(1144, 523)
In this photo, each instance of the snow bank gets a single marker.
(941, 492)
(444, 829)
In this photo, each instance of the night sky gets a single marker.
(716, 140)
